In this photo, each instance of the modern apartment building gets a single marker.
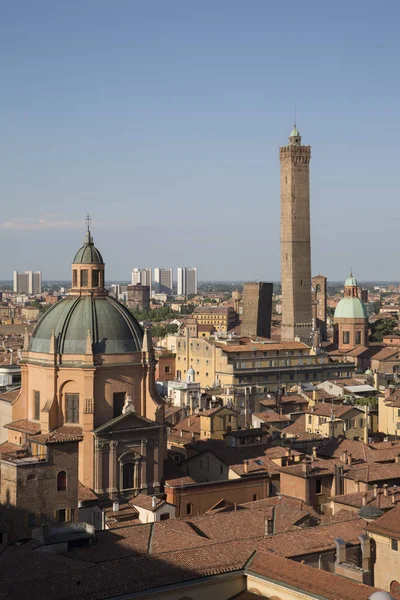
(187, 281)
(142, 276)
(163, 281)
(29, 282)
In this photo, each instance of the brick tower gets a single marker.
(295, 240)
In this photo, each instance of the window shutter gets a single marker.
(68, 514)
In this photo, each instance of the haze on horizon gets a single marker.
(164, 121)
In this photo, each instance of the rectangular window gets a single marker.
(118, 403)
(394, 544)
(309, 419)
(167, 369)
(358, 337)
(84, 278)
(74, 278)
(346, 337)
(318, 486)
(95, 278)
(164, 516)
(61, 517)
(72, 405)
(36, 406)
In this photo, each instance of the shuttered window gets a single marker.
(72, 405)
(36, 406)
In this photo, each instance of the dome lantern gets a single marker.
(87, 266)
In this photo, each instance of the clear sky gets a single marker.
(163, 119)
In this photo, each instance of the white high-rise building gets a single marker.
(163, 281)
(29, 282)
(187, 281)
(142, 276)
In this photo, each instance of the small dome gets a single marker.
(88, 254)
(295, 132)
(351, 308)
(351, 282)
(369, 512)
(190, 372)
(113, 329)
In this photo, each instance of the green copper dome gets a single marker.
(113, 328)
(351, 308)
(295, 132)
(88, 254)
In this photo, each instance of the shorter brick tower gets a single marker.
(320, 306)
(257, 310)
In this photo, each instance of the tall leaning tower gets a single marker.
(295, 240)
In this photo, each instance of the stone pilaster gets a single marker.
(143, 483)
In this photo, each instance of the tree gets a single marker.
(383, 327)
(370, 401)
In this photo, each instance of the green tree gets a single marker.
(383, 327)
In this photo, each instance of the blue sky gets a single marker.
(163, 119)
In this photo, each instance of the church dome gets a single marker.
(113, 328)
(351, 308)
(295, 132)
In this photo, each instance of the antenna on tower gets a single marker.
(294, 115)
(88, 221)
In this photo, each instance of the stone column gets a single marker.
(136, 468)
(143, 483)
(121, 476)
(156, 483)
(112, 469)
(99, 467)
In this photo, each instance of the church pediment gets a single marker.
(127, 421)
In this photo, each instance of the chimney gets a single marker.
(385, 489)
(364, 499)
(235, 506)
(314, 452)
(116, 506)
(349, 460)
(287, 451)
(340, 551)
(378, 500)
(365, 552)
(306, 468)
(397, 459)
(375, 490)
(357, 484)
(315, 395)
(388, 392)
(153, 501)
(344, 457)
(246, 466)
(394, 494)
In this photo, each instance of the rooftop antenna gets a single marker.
(294, 116)
(88, 221)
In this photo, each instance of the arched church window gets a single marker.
(61, 481)
(127, 476)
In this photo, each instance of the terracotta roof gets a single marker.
(10, 396)
(85, 494)
(7, 448)
(375, 452)
(393, 399)
(386, 353)
(298, 426)
(388, 524)
(374, 472)
(314, 539)
(316, 467)
(270, 416)
(325, 410)
(308, 580)
(293, 398)
(380, 501)
(180, 481)
(60, 435)
(146, 502)
(24, 426)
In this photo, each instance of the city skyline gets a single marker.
(201, 145)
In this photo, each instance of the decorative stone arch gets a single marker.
(394, 587)
(129, 471)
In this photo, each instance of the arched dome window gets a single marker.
(61, 481)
